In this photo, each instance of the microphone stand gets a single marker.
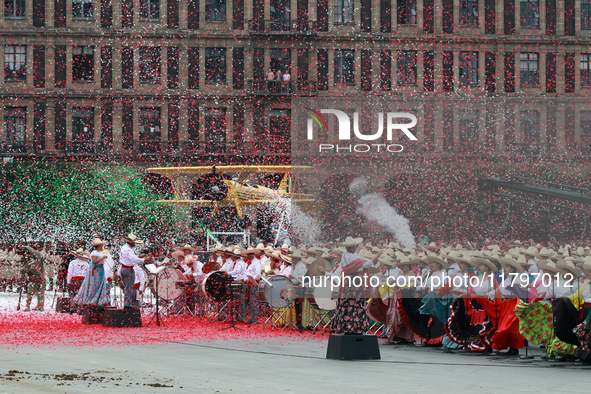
(156, 316)
(232, 304)
(526, 342)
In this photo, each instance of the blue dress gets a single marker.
(94, 289)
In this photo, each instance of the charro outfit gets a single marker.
(128, 259)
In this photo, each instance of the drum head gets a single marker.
(216, 284)
(323, 298)
(210, 267)
(167, 284)
(273, 294)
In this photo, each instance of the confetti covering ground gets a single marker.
(50, 329)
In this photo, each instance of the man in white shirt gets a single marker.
(238, 272)
(286, 79)
(77, 270)
(253, 275)
(128, 259)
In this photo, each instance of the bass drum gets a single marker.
(273, 294)
(323, 298)
(215, 285)
(167, 284)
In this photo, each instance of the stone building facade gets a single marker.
(187, 78)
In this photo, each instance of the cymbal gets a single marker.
(314, 269)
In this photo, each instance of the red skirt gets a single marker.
(507, 325)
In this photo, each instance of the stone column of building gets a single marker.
(117, 126)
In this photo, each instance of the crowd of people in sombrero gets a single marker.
(485, 299)
(473, 300)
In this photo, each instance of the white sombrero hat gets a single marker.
(131, 237)
(510, 261)
(349, 241)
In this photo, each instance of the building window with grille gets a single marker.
(149, 10)
(344, 61)
(468, 129)
(586, 14)
(15, 63)
(344, 11)
(469, 68)
(149, 130)
(15, 9)
(530, 132)
(280, 131)
(15, 127)
(406, 67)
(83, 64)
(529, 70)
(215, 10)
(82, 130)
(585, 66)
(215, 130)
(530, 13)
(150, 67)
(469, 13)
(407, 12)
(215, 65)
(83, 9)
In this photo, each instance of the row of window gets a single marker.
(344, 11)
(150, 67)
(150, 129)
(215, 10)
(469, 125)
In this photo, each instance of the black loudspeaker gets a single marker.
(92, 314)
(122, 318)
(353, 347)
(63, 305)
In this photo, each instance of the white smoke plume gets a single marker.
(303, 226)
(375, 208)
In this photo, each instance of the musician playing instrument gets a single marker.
(128, 259)
(299, 270)
(238, 272)
(195, 299)
(254, 267)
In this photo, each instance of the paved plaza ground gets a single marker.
(52, 353)
(279, 365)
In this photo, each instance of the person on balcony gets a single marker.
(278, 80)
(270, 79)
(286, 81)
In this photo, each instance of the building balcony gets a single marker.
(277, 88)
(282, 27)
(17, 148)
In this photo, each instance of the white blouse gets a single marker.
(98, 255)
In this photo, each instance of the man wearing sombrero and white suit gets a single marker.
(128, 259)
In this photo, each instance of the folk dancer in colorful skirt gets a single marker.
(351, 317)
(94, 289)
(469, 325)
(539, 323)
(502, 310)
(399, 277)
